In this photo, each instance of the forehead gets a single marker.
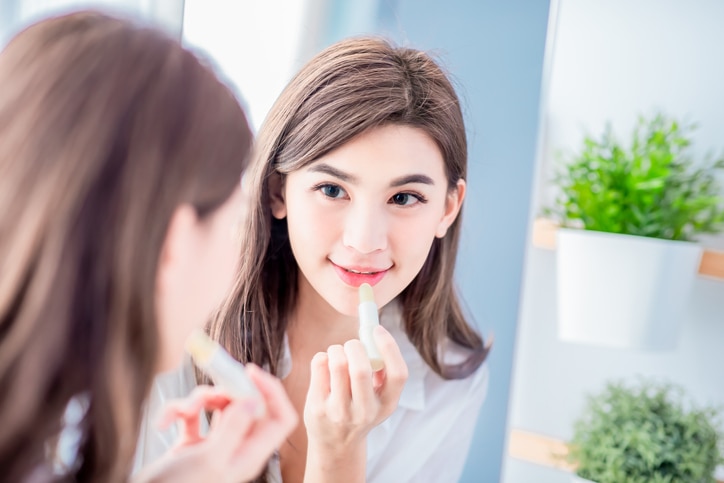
(389, 150)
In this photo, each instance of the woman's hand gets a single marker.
(345, 401)
(237, 446)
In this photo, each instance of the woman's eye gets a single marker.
(405, 199)
(332, 191)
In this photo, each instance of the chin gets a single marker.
(347, 308)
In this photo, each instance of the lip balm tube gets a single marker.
(368, 320)
(225, 371)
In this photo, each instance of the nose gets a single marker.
(365, 228)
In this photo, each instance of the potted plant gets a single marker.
(645, 433)
(627, 256)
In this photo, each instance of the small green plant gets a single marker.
(651, 189)
(645, 434)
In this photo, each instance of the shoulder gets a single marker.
(473, 387)
(454, 354)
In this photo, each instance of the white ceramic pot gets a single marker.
(623, 291)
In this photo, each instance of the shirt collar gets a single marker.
(413, 394)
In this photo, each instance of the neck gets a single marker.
(315, 325)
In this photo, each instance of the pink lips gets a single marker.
(368, 275)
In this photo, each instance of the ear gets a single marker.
(453, 203)
(178, 248)
(276, 196)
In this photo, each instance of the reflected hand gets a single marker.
(346, 399)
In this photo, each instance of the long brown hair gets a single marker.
(106, 128)
(347, 89)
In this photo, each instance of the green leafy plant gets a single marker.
(653, 188)
(644, 433)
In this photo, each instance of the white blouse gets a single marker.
(426, 439)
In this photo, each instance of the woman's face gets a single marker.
(198, 265)
(368, 212)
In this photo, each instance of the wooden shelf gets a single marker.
(544, 236)
(541, 450)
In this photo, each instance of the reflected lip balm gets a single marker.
(369, 319)
(225, 371)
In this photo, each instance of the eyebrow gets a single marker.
(341, 175)
(327, 169)
(412, 178)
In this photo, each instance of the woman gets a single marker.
(359, 177)
(120, 161)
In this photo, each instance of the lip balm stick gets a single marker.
(368, 320)
(225, 371)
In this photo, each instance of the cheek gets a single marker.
(311, 227)
(227, 261)
(224, 276)
(220, 264)
(413, 237)
(172, 341)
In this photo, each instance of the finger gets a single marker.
(378, 380)
(279, 408)
(202, 397)
(232, 428)
(168, 415)
(214, 420)
(319, 384)
(189, 428)
(188, 413)
(184, 410)
(259, 446)
(189, 432)
(360, 374)
(268, 433)
(340, 394)
(395, 366)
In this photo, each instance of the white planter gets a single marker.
(623, 291)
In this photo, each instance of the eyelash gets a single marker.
(321, 186)
(419, 197)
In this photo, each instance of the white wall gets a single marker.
(254, 43)
(613, 60)
(17, 14)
